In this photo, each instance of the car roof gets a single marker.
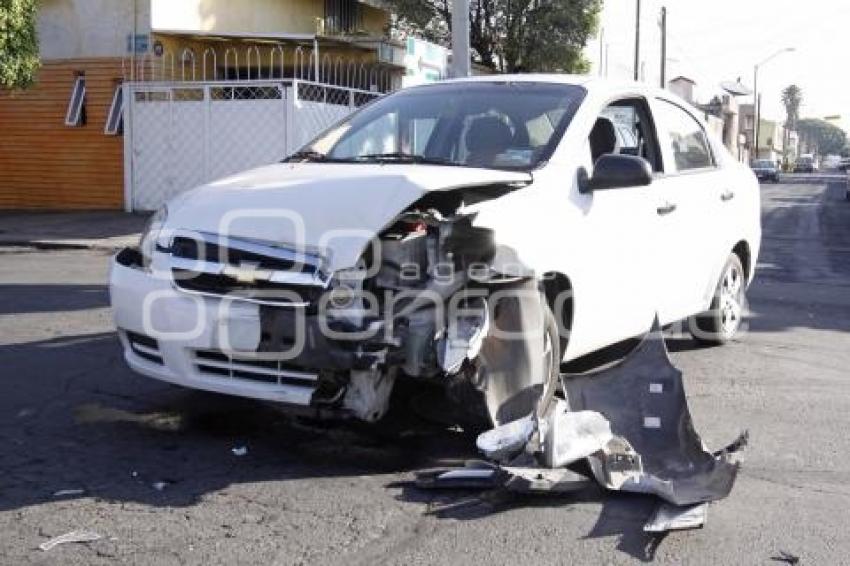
(597, 84)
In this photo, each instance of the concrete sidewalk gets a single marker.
(108, 230)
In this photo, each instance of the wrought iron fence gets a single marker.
(252, 63)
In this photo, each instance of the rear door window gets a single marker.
(686, 139)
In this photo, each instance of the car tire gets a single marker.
(722, 322)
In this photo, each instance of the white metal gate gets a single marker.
(183, 134)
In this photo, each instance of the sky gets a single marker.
(722, 40)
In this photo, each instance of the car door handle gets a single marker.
(666, 209)
(727, 196)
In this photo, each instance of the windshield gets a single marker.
(492, 125)
(763, 163)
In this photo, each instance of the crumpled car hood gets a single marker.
(331, 208)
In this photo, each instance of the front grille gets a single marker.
(262, 291)
(145, 347)
(218, 363)
(189, 248)
(214, 265)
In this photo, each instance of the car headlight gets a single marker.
(346, 289)
(150, 234)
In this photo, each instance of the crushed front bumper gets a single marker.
(211, 343)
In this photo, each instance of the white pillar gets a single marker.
(461, 64)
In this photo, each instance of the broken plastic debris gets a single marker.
(506, 441)
(474, 475)
(786, 557)
(631, 423)
(542, 480)
(80, 536)
(520, 479)
(239, 450)
(572, 436)
(464, 335)
(669, 517)
(68, 492)
(673, 463)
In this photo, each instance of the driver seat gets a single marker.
(486, 138)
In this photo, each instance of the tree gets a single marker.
(18, 43)
(511, 35)
(792, 98)
(823, 137)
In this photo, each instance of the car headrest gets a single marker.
(603, 138)
(488, 134)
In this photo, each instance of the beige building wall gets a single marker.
(257, 17)
(70, 29)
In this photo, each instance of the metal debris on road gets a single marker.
(79, 536)
(668, 517)
(239, 450)
(160, 485)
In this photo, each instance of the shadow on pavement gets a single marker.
(622, 515)
(74, 417)
(22, 299)
(84, 225)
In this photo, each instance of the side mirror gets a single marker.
(616, 171)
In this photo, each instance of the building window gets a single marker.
(76, 114)
(342, 16)
(115, 119)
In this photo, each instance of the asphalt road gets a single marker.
(73, 417)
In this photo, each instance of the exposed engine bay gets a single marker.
(424, 302)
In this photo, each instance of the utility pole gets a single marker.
(461, 64)
(756, 116)
(637, 41)
(601, 49)
(663, 47)
(758, 124)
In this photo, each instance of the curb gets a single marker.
(55, 245)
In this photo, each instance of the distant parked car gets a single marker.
(844, 165)
(765, 170)
(805, 164)
(831, 162)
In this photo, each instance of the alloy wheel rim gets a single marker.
(731, 301)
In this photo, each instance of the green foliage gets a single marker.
(511, 35)
(18, 43)
(826, 138)
(792, 98)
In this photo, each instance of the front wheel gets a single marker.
(722, 322)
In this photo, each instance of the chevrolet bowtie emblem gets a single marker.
(247, 272)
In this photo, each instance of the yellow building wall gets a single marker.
(254, 17)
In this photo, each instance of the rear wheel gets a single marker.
(722, 322)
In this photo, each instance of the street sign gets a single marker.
(424, 62)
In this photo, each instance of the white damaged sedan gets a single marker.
(471, 234)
